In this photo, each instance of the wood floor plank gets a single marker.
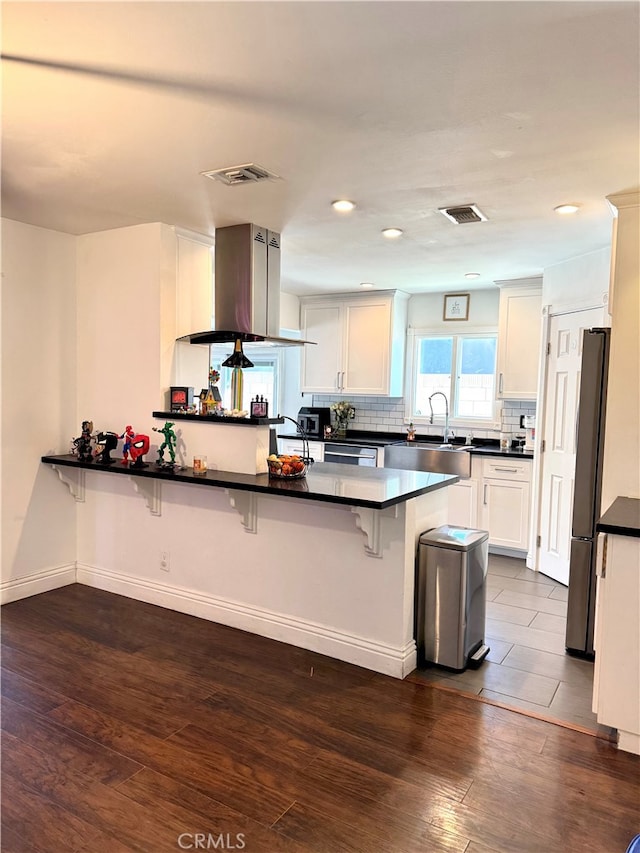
(199, 813)
(90, 803)
(169, 724)
(502, 788)
(161, 717)
(76, 751)
(31, 695)
(324, 832)
(32, 819)
(233, 787)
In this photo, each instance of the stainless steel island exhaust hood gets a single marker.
(246, 287)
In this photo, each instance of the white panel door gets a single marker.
(559, 431)
(367, 348)
(322, 363)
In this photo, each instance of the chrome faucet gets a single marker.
(447, 432)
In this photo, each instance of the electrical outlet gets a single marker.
(165, 561)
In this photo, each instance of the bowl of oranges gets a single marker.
(286, 467)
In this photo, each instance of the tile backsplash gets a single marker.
(386, 414)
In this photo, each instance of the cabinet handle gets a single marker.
(484, 495)
(500, 383)
(342, 383)
(338, 381)
(513, 470)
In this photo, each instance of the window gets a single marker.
(462, 367)
(260, 380)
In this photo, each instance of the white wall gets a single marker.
(425, 311)
(621, 473)
(289, 311)
(39, 407)
(125, 277)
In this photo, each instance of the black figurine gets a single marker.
(82, 444)
(105, 443)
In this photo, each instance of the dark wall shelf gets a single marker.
(216, 419)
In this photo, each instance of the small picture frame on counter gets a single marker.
(180, 398)
(259, 408)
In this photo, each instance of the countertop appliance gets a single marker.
(350, 454)
(313, 419)
(587, 491)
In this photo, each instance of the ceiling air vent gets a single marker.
(463, 213)
(250, 173)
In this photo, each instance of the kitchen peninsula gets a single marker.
(329, 564)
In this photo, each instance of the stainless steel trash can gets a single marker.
(451, 596)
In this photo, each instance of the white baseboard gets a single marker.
(397, 662)
(44, 581)
(508, 552)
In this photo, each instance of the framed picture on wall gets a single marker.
(456, 306)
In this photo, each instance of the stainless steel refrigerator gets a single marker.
(587, 491)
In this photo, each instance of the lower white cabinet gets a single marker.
(495, 498)
(294, 446)
(463, 503)
(504, 512)
(616, 695)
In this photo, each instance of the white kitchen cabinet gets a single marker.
(519, 337)
(294, 446)
(616, 696)
(463, 503)
(504, 501)
(193, 307)
(360, 344)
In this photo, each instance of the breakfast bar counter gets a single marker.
(376, 488)
(326, 562)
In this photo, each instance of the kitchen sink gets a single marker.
(418, 456)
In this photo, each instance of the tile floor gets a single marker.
(527, 667)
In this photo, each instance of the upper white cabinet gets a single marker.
(519, 339)
(360, 344)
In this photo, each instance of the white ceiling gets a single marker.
(111, 111)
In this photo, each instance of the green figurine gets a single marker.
(169, 442)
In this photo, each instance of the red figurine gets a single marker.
(128, 436)
(139, 446)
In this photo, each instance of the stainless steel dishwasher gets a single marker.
(351, 454)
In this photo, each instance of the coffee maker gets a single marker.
(313, 420)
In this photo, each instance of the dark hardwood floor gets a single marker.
(129, 727)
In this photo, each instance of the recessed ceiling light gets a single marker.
(472, 275)
(343, 205)
(392, 233)
(366, 284)
(567, 208)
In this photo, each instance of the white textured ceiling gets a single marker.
(402, 107)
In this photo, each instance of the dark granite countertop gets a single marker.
(376, 488)
(480, 446)
(622, 518)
